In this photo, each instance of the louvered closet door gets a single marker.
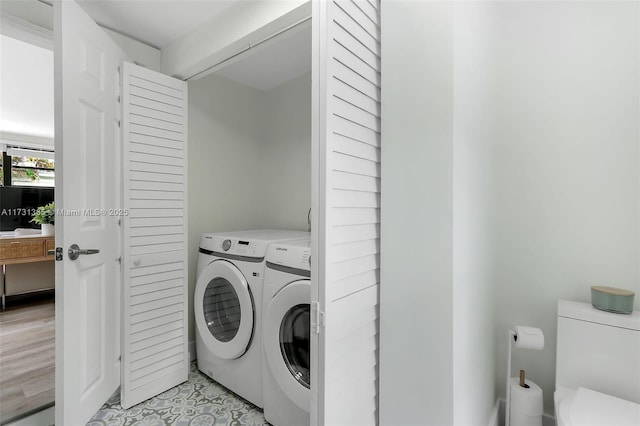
(154, 350)
(346, 202)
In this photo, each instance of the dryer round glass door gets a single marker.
(224, 310)
(286, 341)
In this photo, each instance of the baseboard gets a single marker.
(497, 418)
(494, 420)
(192, 350)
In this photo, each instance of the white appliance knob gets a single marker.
(226, 245)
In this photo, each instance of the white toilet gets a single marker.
(597, 367)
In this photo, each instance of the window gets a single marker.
(21, 167)
(32, 171)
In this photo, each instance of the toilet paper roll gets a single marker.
(528, 338)
(526, 404)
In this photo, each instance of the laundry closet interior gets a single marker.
(284, 133)
(249, 127)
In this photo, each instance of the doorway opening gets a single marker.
(27, 186)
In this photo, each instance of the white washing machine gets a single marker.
(228, 308)
(286, 333)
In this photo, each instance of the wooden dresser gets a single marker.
(25, 249)
(27, 266)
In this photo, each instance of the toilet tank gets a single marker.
(598, 350)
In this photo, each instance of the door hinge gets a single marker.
(120, 86)
(318, 317)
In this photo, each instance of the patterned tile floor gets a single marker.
(197, 402)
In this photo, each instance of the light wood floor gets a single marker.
(27, 337)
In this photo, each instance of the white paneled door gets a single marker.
(154, 338)
(346, 211)
(121, 303)
(87, 180)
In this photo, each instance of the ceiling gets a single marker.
(277, 61)
(154, 22)
(158, 22)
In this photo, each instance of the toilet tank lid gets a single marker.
(591, 408)
(586, 312)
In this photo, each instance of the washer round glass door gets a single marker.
(295, 341)
(224, 310)
(286, 338)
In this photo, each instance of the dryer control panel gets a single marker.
(291, 254)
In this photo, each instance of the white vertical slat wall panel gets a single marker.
(347, 122)
(154, 339)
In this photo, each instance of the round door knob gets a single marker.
(226, 245)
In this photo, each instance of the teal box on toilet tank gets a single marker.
(611, 299)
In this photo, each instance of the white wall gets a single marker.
(142, 54)
(416, 296)
(437, 302)
(473, 294)
(565, 165)
(437, 353)
(249, 159)
(32, 11)
(286, 155)
(510, 160)
(26, 98)
(223, 162)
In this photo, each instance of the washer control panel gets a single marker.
(291, 254)
(234, 246)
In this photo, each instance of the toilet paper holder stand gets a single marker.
(525, 338)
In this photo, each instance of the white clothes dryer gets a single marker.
(228, 308)
(286, 333)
